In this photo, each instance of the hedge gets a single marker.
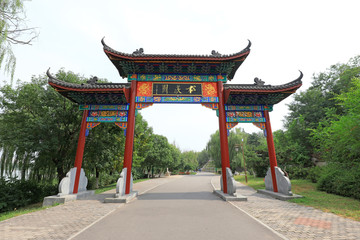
(15, 193)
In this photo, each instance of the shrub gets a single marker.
(297, 172)
(315, 174)
(341, 179)
(16, 193)
(258, 165)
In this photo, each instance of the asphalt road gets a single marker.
(182, 209)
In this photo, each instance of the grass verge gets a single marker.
(342, 206)
(38, 206)
(28, 209)
(113, 186)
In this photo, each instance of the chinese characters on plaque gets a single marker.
(177, 89)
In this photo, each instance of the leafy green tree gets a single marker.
(189, 161)
(319, 104)
(213, 148)
(13, 30)
(40, 126)
(256, 154)
(158, 156)
(339, 140)
(203, 158)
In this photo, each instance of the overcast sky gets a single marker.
(286, 36)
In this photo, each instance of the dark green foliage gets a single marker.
(297, 172)
(258, 164)
(341, 179)
(315, 173)
(16, 193)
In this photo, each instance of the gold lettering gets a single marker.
(191, 89)
(178, 89)
(165, 88)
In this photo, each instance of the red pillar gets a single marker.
(80, 150)
(271, 149)
(225, 161)
(129, 142)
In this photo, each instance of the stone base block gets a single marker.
(227, 197)
(51, 200)
(122, 199)
(277, 195)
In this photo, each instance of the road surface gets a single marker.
(184, 208)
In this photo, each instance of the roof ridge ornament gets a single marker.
(215, 53)
(258, 82)
(92, 80)
(139, 51)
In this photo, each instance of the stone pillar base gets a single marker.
(122, 198)
(51, 200)
(283, 182)
(231, 183)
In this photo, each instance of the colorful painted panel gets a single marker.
(107, 113)
(143, 105)
(244, 114)
(103, 107)
(176, 78)
(210, 90)
(91, 125)
(213, 106)
(177, 99)
(231, 125)
(144, 89)
(260, 125)
(122, 125)
(176, 89)
(244, 120)
(248, 107)
(106, 119)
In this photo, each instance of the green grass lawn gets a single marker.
(342, 206)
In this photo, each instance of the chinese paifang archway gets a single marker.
(189, 79)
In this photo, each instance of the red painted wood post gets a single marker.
(129, 142)
(80, 150)
(271, 149)
(224, 146)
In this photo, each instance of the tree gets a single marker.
(339, 140)
(13, 30)
(40, 126)
(318, 104)
(213, 147)
(158, 156)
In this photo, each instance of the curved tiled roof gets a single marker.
(245, 94)
(140, 63)
(177, 56)
(261, 88)
(84, 86)
(91, 93)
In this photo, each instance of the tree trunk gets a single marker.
(60, 172)
(97, 178)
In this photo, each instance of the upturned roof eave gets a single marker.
(65, 86)
(243, 88)
(174, 57)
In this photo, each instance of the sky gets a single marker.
(287, 36)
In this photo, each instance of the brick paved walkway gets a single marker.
(289, 219)
(63, 221)
(294, 221)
